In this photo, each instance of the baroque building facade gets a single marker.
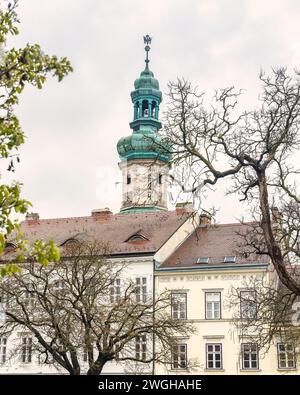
(175, 250)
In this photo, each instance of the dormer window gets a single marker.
(69, 243)
(10, 246)
(203, 260)
(136, 237)
(229, 259)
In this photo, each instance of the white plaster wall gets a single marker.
(214, 331)
(136, 193)
(137, 267)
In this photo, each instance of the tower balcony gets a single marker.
(147, 121)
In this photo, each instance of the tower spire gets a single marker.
(145, 161)
(147, 41)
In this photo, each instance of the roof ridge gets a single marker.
(114, 214)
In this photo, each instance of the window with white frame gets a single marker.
(141, 347)
(3, 349)
(85, 352)
(26, 350)
(249, 356)
(29, 297)
(141, 289)
(85, 355)
(115, 291)
(248, 305)
(2, 312)
(4, 299)
(178, 305)
(213, 305)
(117, 351)
(214, 356)
(179, 356)
(59, 288)
(286, 356)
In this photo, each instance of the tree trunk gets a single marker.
(75, 372)
(272, 246)
(96, 368)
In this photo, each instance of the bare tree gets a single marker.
(83, 308)
(254, 148)
(266, 313)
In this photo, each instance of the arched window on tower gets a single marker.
(145, 110)
(136, 110)
(128, 178)
(153, 109)
(160, 179)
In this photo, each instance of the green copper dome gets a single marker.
(146, 81)
(144, 146)
(145, 142)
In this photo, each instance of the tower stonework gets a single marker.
(145, 156)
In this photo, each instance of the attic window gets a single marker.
(69, 243)
(136, 237)
(229, 259)
(9, 246)
(203, 259)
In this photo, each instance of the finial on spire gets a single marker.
(147, 41)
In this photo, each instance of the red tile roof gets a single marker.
(214, 242)
(110, 228)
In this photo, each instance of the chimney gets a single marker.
(101, 213)
(205, 219)
(184, 207)
(32, 217)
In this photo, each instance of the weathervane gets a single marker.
(147, 41)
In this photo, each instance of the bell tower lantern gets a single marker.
(145, 156)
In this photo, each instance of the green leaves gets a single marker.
(18, 69)
(9, 269)
(8, 20)
(45, 252)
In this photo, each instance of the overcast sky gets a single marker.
(69, 164)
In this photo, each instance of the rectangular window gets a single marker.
(213, 356)
(286, 356)
(178, 304)
(3, 299)
(213, 305)
(3, 344)
(59, 288)
(29, 298)
(149, 185)
(179, 356)
(248, 304)
(229, 259)
(141, 348)
(115, 291)
(203, 259)
(85, 355)
(28, 295)
(141, 289)
(2, 311)
(249, 356)
(26, 350)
